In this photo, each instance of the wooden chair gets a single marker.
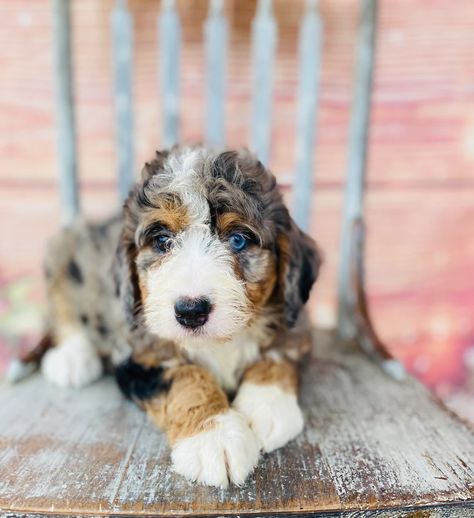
(376, 442)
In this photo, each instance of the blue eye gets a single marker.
(162, 243)
(238, 242)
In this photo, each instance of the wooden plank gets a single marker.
(370, 443)
(169, 30)
(66, 128)
(122, 52)
(216, 39)
(451, 511)
(356, 166)
(310, 41)
(264, 39)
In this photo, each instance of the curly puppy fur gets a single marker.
(193, 294)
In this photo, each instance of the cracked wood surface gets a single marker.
(370, 443)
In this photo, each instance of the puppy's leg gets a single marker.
(268, 397)
(211, 443)
(74, 360)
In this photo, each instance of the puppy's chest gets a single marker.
(226, 361)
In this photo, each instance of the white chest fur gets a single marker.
(228, 360)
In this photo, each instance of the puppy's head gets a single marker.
(208, 246)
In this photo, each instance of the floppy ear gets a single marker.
(125, 269)
(299, 261)
(126, 277)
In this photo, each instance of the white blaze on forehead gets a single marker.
(200, 258)
(184, 171)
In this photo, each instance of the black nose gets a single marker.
(192, 312)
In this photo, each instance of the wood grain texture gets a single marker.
(369, 444)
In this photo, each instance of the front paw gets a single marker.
(226, 451)
(274, 414)
(73, 363)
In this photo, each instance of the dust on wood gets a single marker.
(370, 443)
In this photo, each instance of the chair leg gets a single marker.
(358, 307)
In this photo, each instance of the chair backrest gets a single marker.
(264, 39)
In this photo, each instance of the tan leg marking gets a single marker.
(269, 372)
(193, 399)
(62, 314)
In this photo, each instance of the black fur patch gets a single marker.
(138, 382)
(84, 319)
(102, 329)
(116, 279)
(307, 276)
(75, 272)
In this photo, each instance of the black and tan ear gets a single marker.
(299, 261)
(125, 269)
(126, 279)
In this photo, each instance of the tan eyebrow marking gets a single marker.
(170, 213)
(228, 221)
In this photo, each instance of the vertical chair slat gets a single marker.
(216, 34)
(169, 29)
(65, 111)
(356, 168)
(308, 91)
(264, 39)
(122, 51)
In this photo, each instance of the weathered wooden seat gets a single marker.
(370, 443)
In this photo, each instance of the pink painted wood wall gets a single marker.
(420, 203)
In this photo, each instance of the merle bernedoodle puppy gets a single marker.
(194, 293)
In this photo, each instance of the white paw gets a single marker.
(228, 451)
(73, 363)
(17, 370)
(274, 414)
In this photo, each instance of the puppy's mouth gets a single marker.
(192, 323)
